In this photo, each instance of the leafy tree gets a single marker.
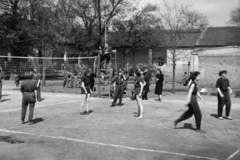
(138, 31)
(176, 20)
(235, 16)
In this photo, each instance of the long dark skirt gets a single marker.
(158, 89)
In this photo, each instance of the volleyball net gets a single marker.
(51, 66)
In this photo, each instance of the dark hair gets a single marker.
(221, 72)
(138, 73)
(159, 71)
(194, 75)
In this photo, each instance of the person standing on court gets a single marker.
(118, 87)
(87, 91)
(223, 89)
(193, 107)
(92, 80)
(37, 78)
(29, 94)
(2, 76)
(159, 84)
(138, 86)
(147, 77)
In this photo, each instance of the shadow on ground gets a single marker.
(37, 120)
(214, 115)
(187, 126)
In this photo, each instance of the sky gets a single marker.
(217, 11)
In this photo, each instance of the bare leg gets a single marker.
(87, 99)
(83, 103)
(140, 107)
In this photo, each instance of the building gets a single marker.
(217, 49)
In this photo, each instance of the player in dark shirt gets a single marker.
(118, 87)
(28, 89)
(87, 90)
(92, 80)
(223, 89)
(193, 107)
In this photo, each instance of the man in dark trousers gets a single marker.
(1, 82)
(147, 78)
(37, 79)
(28, 89)
(223, 89)
(118, 87)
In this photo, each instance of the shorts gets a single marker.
(88, 89)
(137, 90)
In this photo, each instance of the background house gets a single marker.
(217, 49)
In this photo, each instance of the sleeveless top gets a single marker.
(195, 89)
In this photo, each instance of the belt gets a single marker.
(119, 83)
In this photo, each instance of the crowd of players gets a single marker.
(30, 89)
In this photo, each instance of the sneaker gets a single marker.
(30, 122)
(82, 113)
(221, 118)
(120, 104)
(23, 122)
(228, 117)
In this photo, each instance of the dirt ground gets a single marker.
(60, 133)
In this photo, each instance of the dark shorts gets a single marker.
(88, 89)
(137, 90)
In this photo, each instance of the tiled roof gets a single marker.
(220, 36)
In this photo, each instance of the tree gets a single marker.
(176, 20)
(195, 19)
(137, 32)
(235, 16)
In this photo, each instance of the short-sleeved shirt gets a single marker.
(222, 84)
(28, 86)
(85, 80)
(195, 89)
(137, 82)
(118, 80)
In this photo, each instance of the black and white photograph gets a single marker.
(119, 79)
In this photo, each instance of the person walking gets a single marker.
(147, 78)
(37, 79)
(87, 90)
(118, 87)
(139, 84)
(223, 89)
(193, 107)
(28, 88)
(159, 84)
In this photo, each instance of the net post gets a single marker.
(99, 70)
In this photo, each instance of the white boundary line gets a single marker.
(13, 110)
(109, 145)
(232, 155)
